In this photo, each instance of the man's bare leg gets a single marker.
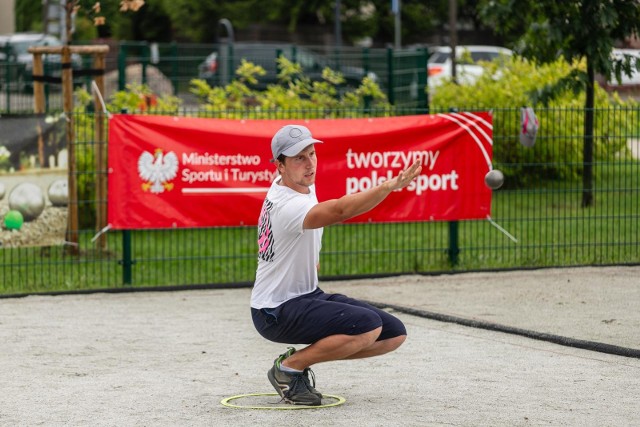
(379, 347)
(338, 347)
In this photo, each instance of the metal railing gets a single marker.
(539, 206)
(169, 68)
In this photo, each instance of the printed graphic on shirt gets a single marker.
(265, 235)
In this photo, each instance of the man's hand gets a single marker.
(406, 176)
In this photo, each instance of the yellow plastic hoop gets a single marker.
(339, 400)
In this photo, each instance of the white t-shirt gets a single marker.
(288, 255)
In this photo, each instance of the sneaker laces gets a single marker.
(308, 373)
(297, 385)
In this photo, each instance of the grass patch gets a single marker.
(551, 227)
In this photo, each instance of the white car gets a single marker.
(467, 68)
(16, 63)
(625, 80)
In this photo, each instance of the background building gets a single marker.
(7, 18)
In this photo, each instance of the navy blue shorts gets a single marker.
(311, 317)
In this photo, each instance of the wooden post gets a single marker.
(38, 86)
(38, 102)
(67, 105)
(100, 153)
(67, 94)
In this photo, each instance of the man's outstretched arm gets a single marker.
(337, 210)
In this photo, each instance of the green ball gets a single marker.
(13, 220)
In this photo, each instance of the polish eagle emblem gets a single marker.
(156, 170)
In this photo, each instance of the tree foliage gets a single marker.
(505, 88)
(28, 15)
(572, 29)
(197, 20)
(575, 30)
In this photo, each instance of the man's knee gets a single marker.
(368, 338)
(391, 344)
(396, 342)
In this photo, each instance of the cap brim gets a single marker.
(299, 146)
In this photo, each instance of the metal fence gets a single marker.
(169, 68)
(538, 220)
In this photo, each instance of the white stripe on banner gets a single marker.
(473, 135)
(224, 190)
(474, 123)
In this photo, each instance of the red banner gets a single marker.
(191, 172)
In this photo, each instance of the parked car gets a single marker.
(468, 66)
(219, 66)
(16, 63)
(632, 80)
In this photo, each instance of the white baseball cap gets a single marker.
(290, 140)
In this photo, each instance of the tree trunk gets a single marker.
(587, 149)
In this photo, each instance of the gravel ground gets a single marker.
(46, 230)
(49, 228)
(168, 358)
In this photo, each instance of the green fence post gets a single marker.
(127, 262)
(174, 67)
(279, 53)
(146, 55)
(365, 66)
(423, 96)
(454, 247)
(230, 61)
(337, 59)
(390, 79)
(87, 63)
(366, 60)
(122, 66)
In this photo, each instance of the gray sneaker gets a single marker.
(306, 372)
(293, 387)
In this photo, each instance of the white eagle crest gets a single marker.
(157, 169)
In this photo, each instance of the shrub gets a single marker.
(558, 150)
(295, 95)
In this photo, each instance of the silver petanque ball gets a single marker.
(494, 179)
(58, 192)
(3, 190)
(28, 199)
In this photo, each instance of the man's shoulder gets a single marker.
(283, 194)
